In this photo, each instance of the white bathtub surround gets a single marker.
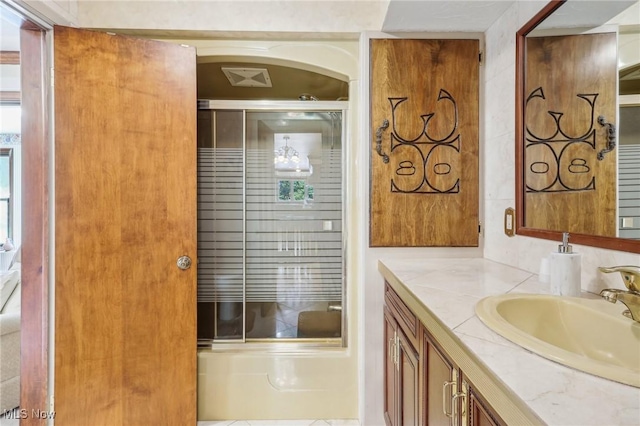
(449, 289)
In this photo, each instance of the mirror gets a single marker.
(577, 124)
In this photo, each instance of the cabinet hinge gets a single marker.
(52, 406)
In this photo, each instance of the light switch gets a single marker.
(509, 222)
(627, 222)
(327, 225)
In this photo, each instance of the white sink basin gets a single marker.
(588, 335)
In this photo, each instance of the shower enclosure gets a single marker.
(270, 222)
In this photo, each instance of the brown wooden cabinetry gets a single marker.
(423, 385)
(402, 397)
(480, 414)
(438, 376)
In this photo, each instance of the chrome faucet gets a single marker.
(630, 298)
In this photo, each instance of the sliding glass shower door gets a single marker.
(270, 223)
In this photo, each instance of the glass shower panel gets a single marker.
(220, 225)
(294, 263)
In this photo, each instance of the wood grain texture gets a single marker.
(125, 210)
(435, 370)
(34, 322)
(415, 198)
(567, 188)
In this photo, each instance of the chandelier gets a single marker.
(286, 154)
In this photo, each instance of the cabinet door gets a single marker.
(424, 153)
(390, 376)
(479, 412)
(438, 384)
(408, 387)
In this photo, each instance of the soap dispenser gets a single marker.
(564, 270)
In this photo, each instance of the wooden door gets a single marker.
(424, 152)
(570, 82)
(125, 210)
(438, 384)
(390, 375)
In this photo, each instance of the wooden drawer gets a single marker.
(406, 319)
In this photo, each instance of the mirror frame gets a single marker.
(613, 243)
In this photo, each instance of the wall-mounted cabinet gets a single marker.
(424, 152)
(423, 386)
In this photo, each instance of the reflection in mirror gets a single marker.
(577, 137)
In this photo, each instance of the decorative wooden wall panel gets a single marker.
(424, 153)
(570, 182)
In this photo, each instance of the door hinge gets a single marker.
(480, 228)
(51, 75)
(480, 58)
(52, 404)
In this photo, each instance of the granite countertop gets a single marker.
(449, 288)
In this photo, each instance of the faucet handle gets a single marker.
(630, 275)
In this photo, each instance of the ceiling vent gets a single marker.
(247, 77)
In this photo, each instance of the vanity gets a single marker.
(444, 366)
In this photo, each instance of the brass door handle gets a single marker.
(446, 398)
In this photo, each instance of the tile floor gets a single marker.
(4, 421)
(280, 423)
(14, 422)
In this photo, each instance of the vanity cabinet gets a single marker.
(423, 385)
(401, 407)
(439, 380)
(480, 413)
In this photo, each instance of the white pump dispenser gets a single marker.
(564, 270)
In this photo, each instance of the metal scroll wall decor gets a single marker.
(561, 162)
(423, 162)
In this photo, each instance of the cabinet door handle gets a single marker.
(454, 402)
(397, 354)
(391, 351)
(447, 397)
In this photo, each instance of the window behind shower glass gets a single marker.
(6, 169)
(270, 243)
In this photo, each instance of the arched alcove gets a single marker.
(255, 78)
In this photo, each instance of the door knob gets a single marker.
(184, 262)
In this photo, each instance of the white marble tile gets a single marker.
(407, 268)
(500, 105)
(9, 422)
(309, 422)
(451, 308)
(216, 423)
(532, 285)
(283, 422)
(474, 327)
(472, 277)
(500, 42)
(499, 168)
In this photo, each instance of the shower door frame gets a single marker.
(248, 106)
